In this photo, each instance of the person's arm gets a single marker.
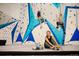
(48, 42)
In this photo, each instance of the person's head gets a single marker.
(48, 33)
(38, 14)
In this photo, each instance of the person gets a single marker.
(60, 23)
(40, 18)
(50, 41)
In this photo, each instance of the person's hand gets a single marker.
(52, 47)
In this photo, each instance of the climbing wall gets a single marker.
(5, 30)
(21, 23)
(78, 18)
(40, 33)
(71, 24)
(52, 15)
(72, 27)
(7, 15)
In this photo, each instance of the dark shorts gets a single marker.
(60, 23)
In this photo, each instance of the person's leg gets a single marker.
(46, 45)
(57, 24)
(55, 44)
(42, 20)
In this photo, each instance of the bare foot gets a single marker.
(52, 47)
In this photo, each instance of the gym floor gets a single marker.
(26, 49)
